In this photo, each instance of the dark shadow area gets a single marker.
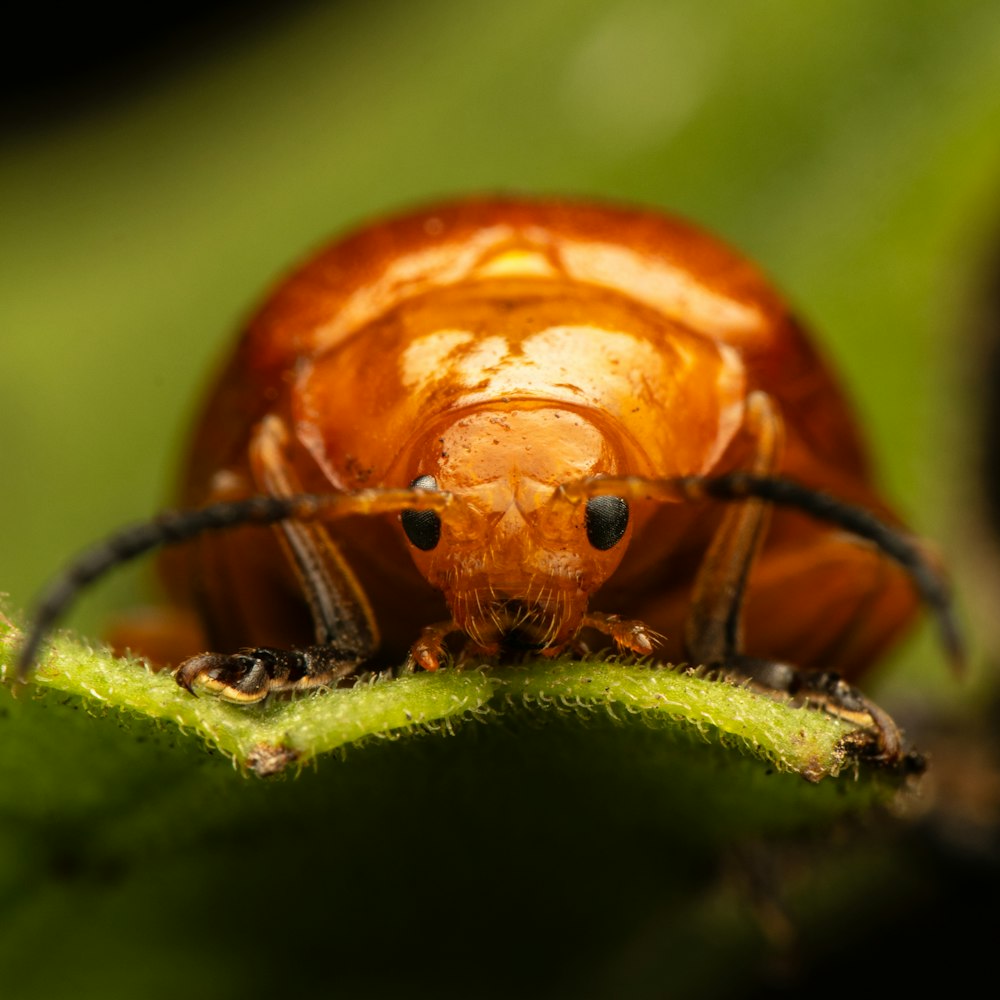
(63, 61)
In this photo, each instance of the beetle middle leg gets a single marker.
(713, 631)
(345, 631)
(714, 626)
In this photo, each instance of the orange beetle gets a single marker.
(507, 418)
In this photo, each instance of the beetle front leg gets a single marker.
(628, 634)
(429, 649)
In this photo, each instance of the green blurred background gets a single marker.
(152, 188)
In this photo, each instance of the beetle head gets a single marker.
(515, 561)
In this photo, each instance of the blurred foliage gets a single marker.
(850, 147)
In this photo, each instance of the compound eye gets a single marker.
(607, 519)
(422, 527)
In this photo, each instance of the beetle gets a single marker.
(526, 422)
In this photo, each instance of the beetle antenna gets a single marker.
(177, 526)
(927, 578)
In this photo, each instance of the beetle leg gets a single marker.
(345, 629)
(713, 631)
(626, 633)
(824, 690)
(340, 610)
(714, 634)
(252, 674)
(428, 651)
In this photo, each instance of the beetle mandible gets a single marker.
(513, 420)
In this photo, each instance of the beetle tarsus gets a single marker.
(429, 649)
(830, 693)
(628, 634)
(251, 675)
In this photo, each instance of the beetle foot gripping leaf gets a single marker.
(251, 675)
(877, 736)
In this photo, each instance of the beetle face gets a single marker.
(514, 561)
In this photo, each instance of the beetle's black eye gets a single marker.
(607, 519)
(422, 527)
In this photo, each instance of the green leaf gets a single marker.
(269, 737)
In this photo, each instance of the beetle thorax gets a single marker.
(513, 560)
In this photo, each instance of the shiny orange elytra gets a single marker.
(512, 410)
